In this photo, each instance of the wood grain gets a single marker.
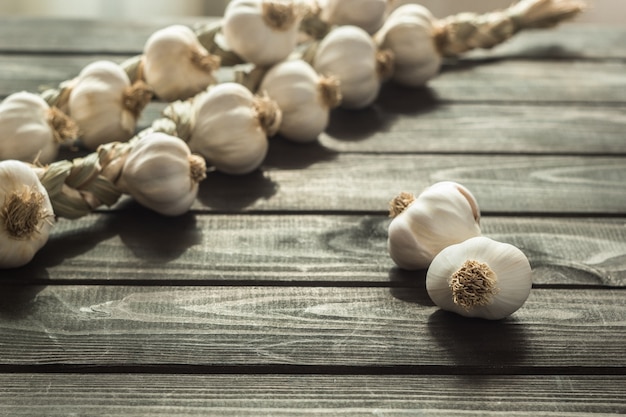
(212, 327)
(467, 81)
(278, 395)
(412, 121)
(300, 179)
(302, 249)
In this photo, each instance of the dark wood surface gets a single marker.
(275, 295)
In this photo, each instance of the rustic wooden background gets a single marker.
(275, 295)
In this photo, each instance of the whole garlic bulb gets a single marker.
(480, 278)
(304, 97)
(409, 32)
(105, 105)
(231, 127)
(31, 129)
(350, 54)
(369, 15)
(176, 65)
(26, 214)
(262, 32)
(444, 214)
(161, 174)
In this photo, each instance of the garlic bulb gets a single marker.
(231, 127)
(105, 105)
(480, 278)
(31, 129)
(262, 32)
(26, 215)
(161, 173)
(409, 32)
(304, 97)
(444, 214)
(176, 65)
(369, 15)
(349, 54)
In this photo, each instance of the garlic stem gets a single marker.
(329, 91)
(279, 16)
(136, 97)
(384, 64)
(208, 63)
(268, 113)
(473, 285)
(22, 213)
(197, 168)
(63, 127)
(400, 203)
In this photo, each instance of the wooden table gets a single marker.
(276, 296)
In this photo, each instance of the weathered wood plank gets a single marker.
(313, 178)
(568, 41)
(468, 81)
(277, 395)
(46, 36)
(532, 81)
(566, 331)
(136, 245)
(301, 178)
(572, 41)
(412, 121)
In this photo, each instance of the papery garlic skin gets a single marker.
(304, 97)
(444, 214)
(26, 133)
(26, 214)
(369, 15)
(509, 287)
(409, 32)
(350, 54)
(262, 32)
(228, 130)
(97, 104)
(161, 174)
(176, 65)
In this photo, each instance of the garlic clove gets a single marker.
(105, 105)
(304, 97)
(444, 214)
(409, 32)
(369, 15)
(480, 277)
(160, 173)
(350, 54)
(176, 65)
(262, 32)
(31, 129)
(26, 214)
(231, 127)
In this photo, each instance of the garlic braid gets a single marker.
(78, 187)
(466, 31)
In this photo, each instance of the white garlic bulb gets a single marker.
(409, 32)
(480, 278)
(350, 54)
(304, 97)
(26, 214)
(444, 214)
(176, 65)
(31, 129)
(161, 174)
(105, 105)
(262, 32)
(231, 127)
(369, 15)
